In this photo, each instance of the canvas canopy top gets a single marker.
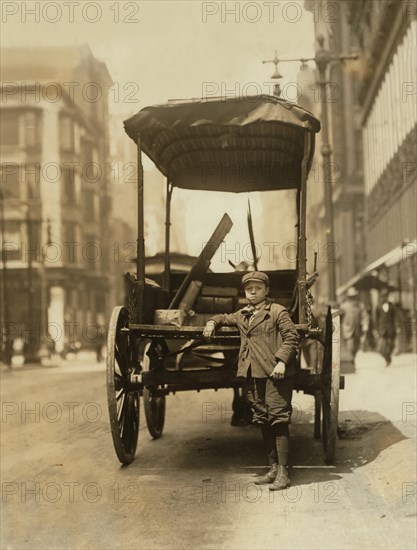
(253, 143)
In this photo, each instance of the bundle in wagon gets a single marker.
(155, 344)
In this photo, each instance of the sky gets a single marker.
(163, 50)
(171, 49)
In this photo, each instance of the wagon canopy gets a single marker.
(253, 143)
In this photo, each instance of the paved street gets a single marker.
(62, 486)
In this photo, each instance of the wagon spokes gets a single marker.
(123, 400)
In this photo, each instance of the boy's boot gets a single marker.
(269, 477)
(281, 481)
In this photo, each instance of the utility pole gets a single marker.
(323, 59)
(30, 339)
(6, 343)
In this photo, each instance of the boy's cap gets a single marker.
(257, 276)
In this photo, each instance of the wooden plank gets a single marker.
(201, 265)
(171, 331)
(218, 291)
(210, 378)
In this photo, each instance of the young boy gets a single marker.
(269, 342)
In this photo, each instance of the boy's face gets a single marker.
(256, 292)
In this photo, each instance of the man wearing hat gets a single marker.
(386, 326)
(269, 344)
(354, 320)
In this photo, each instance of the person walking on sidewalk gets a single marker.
(354, 321)
(269, 344)
(386, 326)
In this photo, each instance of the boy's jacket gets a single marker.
(270, 337)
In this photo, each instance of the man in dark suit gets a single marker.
(386, 326)
(269, 344)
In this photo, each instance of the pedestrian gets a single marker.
(268, 348)
(354, 322)
(400, 322)
(386, 326)
(100, 344)
(369, 340)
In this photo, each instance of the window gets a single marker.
(12, 240)
(70, 242)
(10, 180)
(70, 232)
(69, 192)
(31, 179)
(87, 152)
(32, 129)
(105, 208)
(89, 205)
(33, 237)
(67, 133)
(9, 125)
(392, 115)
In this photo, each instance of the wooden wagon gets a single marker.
(155, 344)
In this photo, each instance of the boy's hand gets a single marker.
(209, 329)
(279, 371)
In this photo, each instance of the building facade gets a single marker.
(373, 117)
(386, 34)
(56, 199)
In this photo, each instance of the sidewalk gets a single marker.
(81, 357)
(372, 359)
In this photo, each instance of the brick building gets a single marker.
(56, 200)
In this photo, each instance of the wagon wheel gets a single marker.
(154, 403)
(315, 367)
(330, 383)
(123, 402)
(317, 415)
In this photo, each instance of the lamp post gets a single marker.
(37, 326)
(30, 348)
(323, 59)
(6, 342)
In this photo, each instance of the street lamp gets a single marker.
(322, 59)
(277, 75)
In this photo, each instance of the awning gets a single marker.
(393, 257)
(236, 144)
